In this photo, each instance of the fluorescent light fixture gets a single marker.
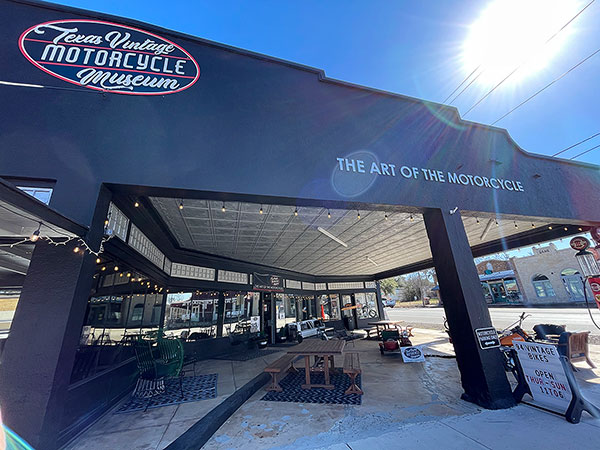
(331, 236)
(372, 262)
(11, 83)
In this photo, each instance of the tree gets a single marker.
(417, 284)
(388, 286)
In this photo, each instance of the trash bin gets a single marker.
(349, 323)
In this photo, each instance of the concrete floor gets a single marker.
(396, 394)
(415, 404)
(158, 427)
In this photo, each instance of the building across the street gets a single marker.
(548, 276)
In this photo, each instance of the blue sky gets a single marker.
(409, 47)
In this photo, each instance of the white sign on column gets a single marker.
(545, 375)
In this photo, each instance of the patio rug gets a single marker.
(293, 392)
(200, 387)
(245, 356)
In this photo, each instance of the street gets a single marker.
(576, 319)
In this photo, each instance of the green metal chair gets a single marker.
(156, 364)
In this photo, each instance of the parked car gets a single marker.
(388, 302)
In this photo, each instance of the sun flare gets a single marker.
(509, 33)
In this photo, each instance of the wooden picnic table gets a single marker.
(319, 349)
(384, 324)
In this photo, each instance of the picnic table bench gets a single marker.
(279, 369)
(352, 369)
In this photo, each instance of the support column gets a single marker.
(380, 307)
(482, 374)
(220, 314)
(40, 351)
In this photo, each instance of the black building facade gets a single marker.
(200, 168)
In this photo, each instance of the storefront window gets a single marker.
(512, 290)
(112, 324)
(240, 308)
(366, 305)
(331, 306)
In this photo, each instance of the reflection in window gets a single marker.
(195, 314)
(240, 307)
(543, 286)
(330, 305)
(366, 305)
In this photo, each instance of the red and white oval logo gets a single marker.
(579, 243)
(109, 57)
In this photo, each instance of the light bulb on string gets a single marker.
(328, 214)
(97, 260)
(116, 268)
(223, 207)
(136, 204)
(260, 211)
(76, 250)
(497, 224)
(550, 227)
(532, 225)
(476, 219)
(181, 205)
(386, 217)
(36, 234)
(411, 218)
(358, 215)
(516, 226)
(296, 212)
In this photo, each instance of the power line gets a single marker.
(587, 151)
(461, 83)
(546, 87)
(466, 87)
(524, 61)
(576, 144)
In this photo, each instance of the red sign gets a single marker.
(595, 285)
(579, 243)
(109, 57)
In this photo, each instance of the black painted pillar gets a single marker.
(482, 374)
(38, 358)
(220, 314)
(380, 307)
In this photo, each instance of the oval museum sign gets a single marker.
(109, 57)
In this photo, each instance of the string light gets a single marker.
(497, 224)
(260, 211)
(412, 219)
(116, 268)
(516, 226)
(358, 216)
(328, 214)
(223, 208)
(36, 234)
(296, 212)
(550, 227)
(181, 205)
(566, 229)
(136, 204)
(76, 250)
(580, 229)
(97, 260)
(532, 225)
(476, 219)
(386, 217)
(128, 274)
(103, 268)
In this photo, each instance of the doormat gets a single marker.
(245, 356)
(199, 387)
(293, 392)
